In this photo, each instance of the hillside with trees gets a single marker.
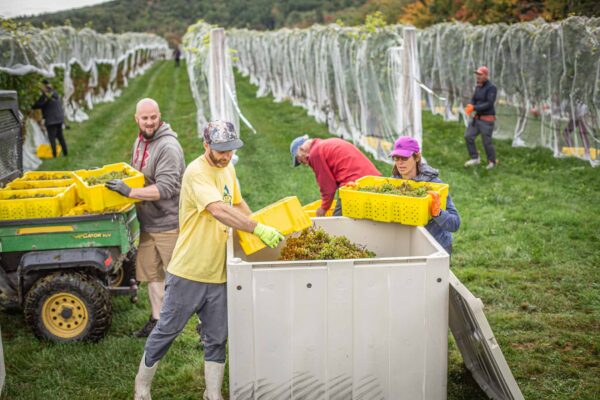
(174, 16)
(171, 18)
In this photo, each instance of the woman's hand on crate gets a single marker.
(118, 186)
(435, 203)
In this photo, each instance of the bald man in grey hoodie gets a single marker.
(159, 156)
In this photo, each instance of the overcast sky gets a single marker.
(15, 8)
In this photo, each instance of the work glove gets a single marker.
(469, 109)
(435, 203)
(270, 236)
(118, 186)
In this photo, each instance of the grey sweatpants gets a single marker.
(486, 128)
(184, 297)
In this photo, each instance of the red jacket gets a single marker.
(335, 163)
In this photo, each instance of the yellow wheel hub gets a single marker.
(64, 315)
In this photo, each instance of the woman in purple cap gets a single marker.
(408, 165)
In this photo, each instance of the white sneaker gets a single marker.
(472, 162)
(491, 165)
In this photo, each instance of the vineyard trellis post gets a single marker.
(216, 77)
(410, 103)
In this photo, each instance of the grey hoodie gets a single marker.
(161, 161)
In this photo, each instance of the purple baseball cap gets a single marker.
(405, 146)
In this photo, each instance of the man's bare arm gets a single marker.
(243, 207)
(146, 193)
(231, 216)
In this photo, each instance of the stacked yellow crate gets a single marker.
(50, 194)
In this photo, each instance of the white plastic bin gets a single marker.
(343, 329)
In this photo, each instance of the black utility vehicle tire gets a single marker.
(68, 307)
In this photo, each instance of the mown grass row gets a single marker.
(528, 246)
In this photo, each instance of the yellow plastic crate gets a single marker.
(286, 215)
(311, 208)
(82, 209)
(580, 152)
(46, 175)
(98, 197)
(405, 210)
(26, 206)
(45, 150)
(19, 184)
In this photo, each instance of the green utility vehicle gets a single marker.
(61, 271)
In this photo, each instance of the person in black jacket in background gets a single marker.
(54, 116)
(482, 103)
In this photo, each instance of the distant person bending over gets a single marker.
(408, 165)
(54, 116)
(483, 122)
(335, 162)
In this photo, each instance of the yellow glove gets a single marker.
(270, 236)
(435, 203)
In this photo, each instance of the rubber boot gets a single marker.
(213, 379)
(143, 380)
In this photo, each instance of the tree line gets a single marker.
(170, 18)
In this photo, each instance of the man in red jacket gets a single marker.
(335, 162)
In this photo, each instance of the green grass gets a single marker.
(529, 247)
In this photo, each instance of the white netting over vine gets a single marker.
(211, 74)
(42, 51)
(88, 66)
(547, 74)
(362, 84)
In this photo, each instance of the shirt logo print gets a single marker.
(227, 198)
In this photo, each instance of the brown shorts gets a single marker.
(154, 254)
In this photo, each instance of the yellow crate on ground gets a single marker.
(36, 203)
(97, 197)
(286, 215)
(45, 150)
(580, 152)
(311, 208)
(405, 210)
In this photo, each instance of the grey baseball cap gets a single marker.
(221, 136)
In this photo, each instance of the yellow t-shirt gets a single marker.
(200, 251)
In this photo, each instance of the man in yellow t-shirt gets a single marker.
(210, 202)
